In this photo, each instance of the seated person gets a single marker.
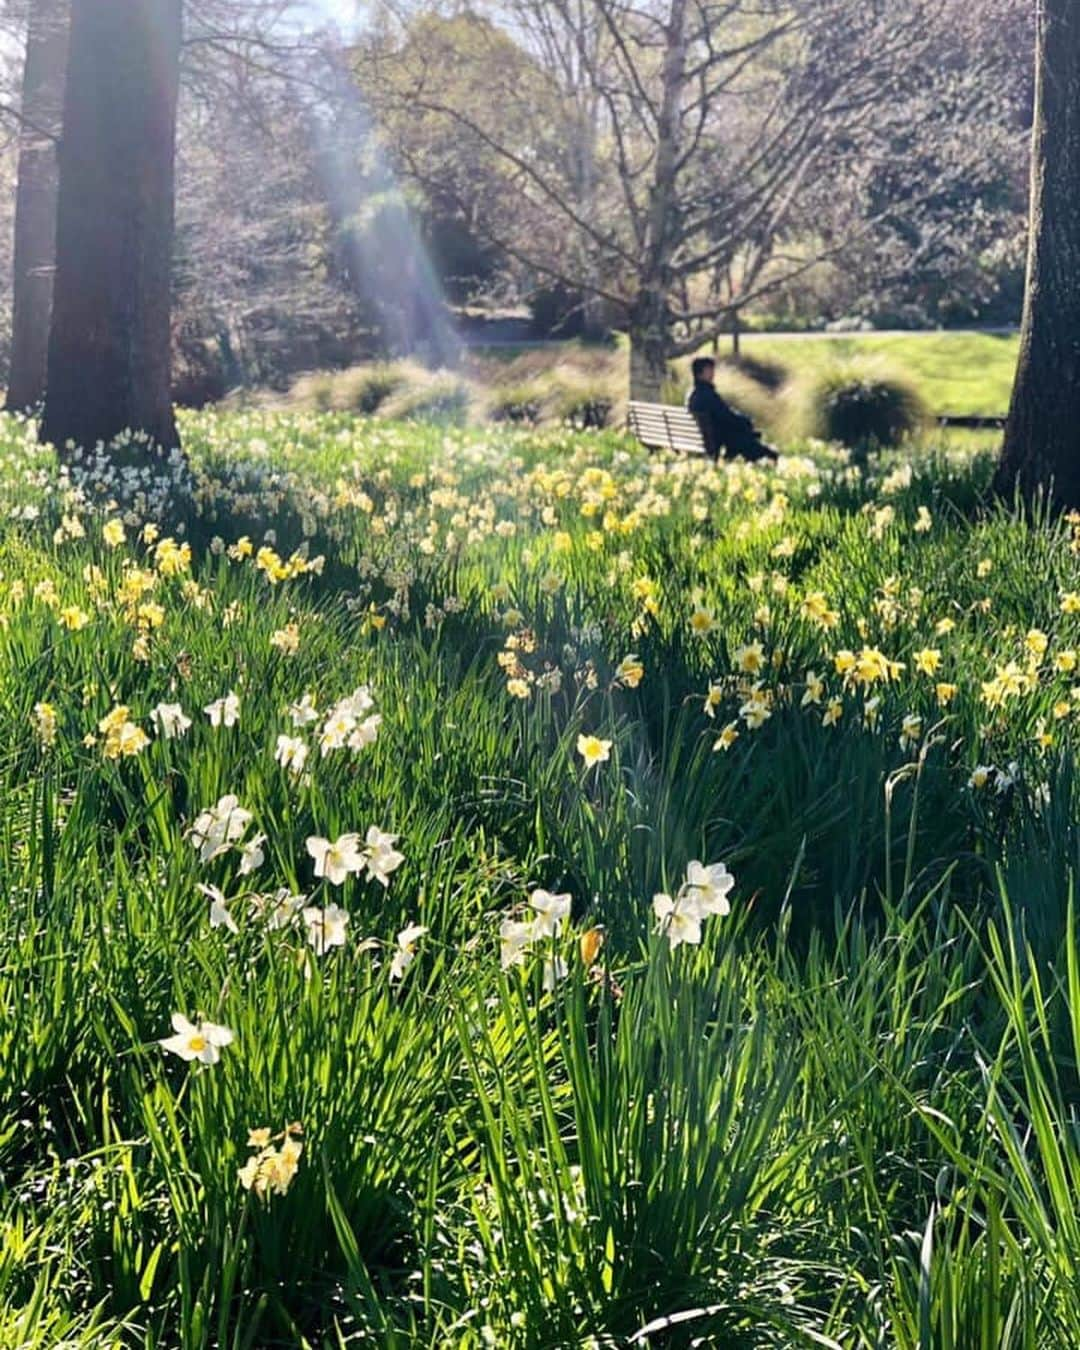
(722, 428)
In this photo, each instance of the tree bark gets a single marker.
(1042, 437)
(650, 320)
(35, 202)
(649, 340)
(109, 350)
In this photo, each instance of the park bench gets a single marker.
(659, 426)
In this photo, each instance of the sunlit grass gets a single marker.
(842, 1117)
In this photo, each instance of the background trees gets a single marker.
(663, 167)
(706, 163)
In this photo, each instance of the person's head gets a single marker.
(703, 369)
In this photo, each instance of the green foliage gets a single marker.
(956, 372)
(845, 1118)
(521, 404)
(861, 407)
(586, 405)
(433, 397)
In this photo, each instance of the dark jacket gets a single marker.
(724, 429)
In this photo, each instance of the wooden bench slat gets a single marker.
(660, 426)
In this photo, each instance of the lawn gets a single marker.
(497, 889)
(965, 373)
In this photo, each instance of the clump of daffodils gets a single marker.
(347, 856)
(704, 892)
(274, 1163)
(351, 724)
(123, 738)
(219, 827)
(548, 913)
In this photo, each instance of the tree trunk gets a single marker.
(1042, 437)
(35, 202)
(648, 332)
(109, 348)
(650, 323)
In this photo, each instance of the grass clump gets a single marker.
(437, 396)
(863, 407)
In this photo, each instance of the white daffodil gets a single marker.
(203, 1041)
(252, 855)
(218, 827)
(380, 856)
(325, 927)
(551, 912)
(679, 919)
(359, 703)
(170, 721)
(304, 712)
(335, 861)
(224, 712)
(336, 731)
(405, 952)
(219, 912)
(515, 938)
(292, 753)
(365, 733)
(709, 887)
(278, 909)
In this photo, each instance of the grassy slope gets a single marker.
(767, 1142)
(965, 373)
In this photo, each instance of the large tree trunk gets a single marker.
(649, 339)
(35, 202)
(1042, 438)
(109, 349)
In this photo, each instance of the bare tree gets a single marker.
(713, 119)
(1042, 440)
(109, 349)
(35, 210)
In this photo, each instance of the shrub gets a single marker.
(587, 405)
(313, 390)
(864, 407)
(438, 396)
(520, 404)
(364, 389)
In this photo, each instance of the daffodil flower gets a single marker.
(335, 861)
(405, 952)
(203, 1041)
(325, 927)
(551, 912)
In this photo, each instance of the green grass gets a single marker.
(968, 374)
(843, 1118)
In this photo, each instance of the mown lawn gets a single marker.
(498, 889)
(960, 373)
